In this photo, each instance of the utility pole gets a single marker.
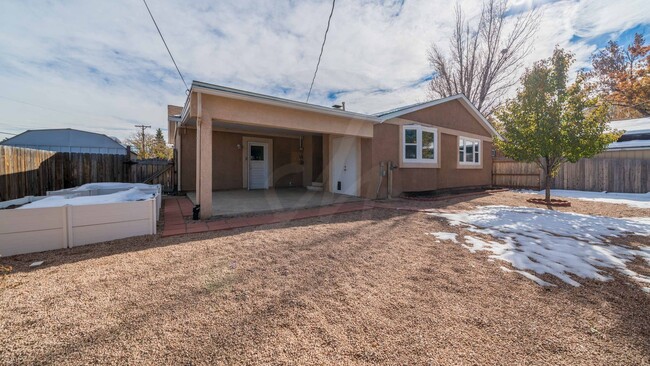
(143, 127)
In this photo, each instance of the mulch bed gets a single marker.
(446, 196)
(553, 202)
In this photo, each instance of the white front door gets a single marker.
(344, 165)
(258, 167)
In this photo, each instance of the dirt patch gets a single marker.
(359, 288)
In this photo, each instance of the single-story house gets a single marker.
(634, 143)
(67, 140)
(227, 139)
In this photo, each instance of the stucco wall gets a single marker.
(187, 159)
(385, 146)
(226, 161)
(260, 114)
(227, 171)
(452, 115)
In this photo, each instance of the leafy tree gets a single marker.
(136, 141)
(550, 122)
(622, 75)
(483, 57)
(160, 149)
(154, 147)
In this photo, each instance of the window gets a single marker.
(419, 144)
(469, 150)
(257, 152)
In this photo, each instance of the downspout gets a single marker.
(197, 208)
(177, 163)
(381, 178)
(391, 166)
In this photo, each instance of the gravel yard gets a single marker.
(358, 288)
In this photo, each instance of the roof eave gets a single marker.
(628, 148)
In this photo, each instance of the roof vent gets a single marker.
(339, 106)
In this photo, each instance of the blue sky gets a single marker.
(100, 65)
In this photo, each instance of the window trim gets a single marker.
(419, 160)
(480, 152)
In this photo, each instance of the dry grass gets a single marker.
(358, 288)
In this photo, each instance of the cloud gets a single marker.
(101, 65)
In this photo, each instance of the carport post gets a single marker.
(204, 165)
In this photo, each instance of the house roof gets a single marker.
(213, 89)
(632, 126)
(398, 112)
(636, 136)
(629, 145)
(63, 137)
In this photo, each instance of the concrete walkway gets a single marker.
(178, 214)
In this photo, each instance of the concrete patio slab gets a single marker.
(239, 202)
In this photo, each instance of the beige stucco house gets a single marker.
(227, 139)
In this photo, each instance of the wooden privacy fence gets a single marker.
(515, 174)
(602, 174)
(153, 171)
(594, 174)
(29, 172)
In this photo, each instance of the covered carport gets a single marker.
(227, 139)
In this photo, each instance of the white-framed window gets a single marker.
(469, 151)
(419, 144)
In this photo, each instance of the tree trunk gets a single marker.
(548, 187)
(547, 179)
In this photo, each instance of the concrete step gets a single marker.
(316, 184)
(314, 188)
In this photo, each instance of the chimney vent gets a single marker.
(339, 106)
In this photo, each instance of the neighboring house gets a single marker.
(232, 139)
(635, 142)
(67, 140)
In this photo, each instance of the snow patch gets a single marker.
(562, 244)
(445, 236)
(638, 200)
(112, 185)
(133, 194)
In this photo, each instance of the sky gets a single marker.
(101, 66)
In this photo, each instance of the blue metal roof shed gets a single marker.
(67, 140)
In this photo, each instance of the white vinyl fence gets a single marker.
(39, 229)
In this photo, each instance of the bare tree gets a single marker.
(483, 59)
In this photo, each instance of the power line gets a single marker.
(165, 43)
(321, 49)
(7, 133)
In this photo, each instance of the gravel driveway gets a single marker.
(359, 288)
